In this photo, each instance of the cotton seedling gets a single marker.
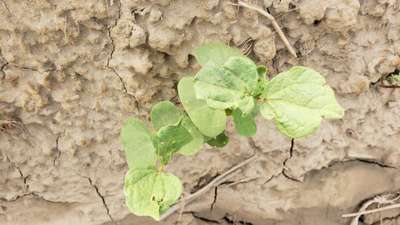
(228, 84)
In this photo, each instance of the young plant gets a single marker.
(228, 84)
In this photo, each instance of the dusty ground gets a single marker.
(73, 70)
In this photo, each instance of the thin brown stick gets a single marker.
(274, 24)
(365, 212)
(244, 180)
(389, 86)
(215, 182)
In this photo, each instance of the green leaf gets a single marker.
(197, 138)
(165, 113)
(244, 123)
(149, 192)
(297, 100)
(169, 140)
(267, 111)
(228, 86)
(394, 79)
(137, 144)
(261, 86)
(262, 71)
(217, 53)
(210, 122)
(219, 141)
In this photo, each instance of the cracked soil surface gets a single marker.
(71, 71)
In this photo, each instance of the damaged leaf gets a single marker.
(149, 192)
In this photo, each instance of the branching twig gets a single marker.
(274, 24)
(215, 182)
(380, 199)
(365, 212)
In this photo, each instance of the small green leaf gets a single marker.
(218, 53)
(210, 122)
(244, 123)
(165, 113)
(197, 138)
(149, 192)
(137, 144)
(394, 79)
(261, 86)
(297, 100)
(229, 85)
(219, 141)
(262, 71)
(169, 140)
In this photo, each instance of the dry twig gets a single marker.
(381, 199)
(274, 24)
(215, 182)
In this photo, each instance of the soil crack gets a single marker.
(228, 219)
(112, 42)
(23, 177)
(58, 152)
(360, 160)
(103, 200)
(284, 167)
(215, 198)
(6, 6)
(380, 164)
(205, 219)
(257, 148)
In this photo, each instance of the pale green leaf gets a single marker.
(219, 141)
(209, 121)
(197, 138)
(267, 111)
(297, 100)
(244, 69)
(226, 86)
(246, 105)
(169, 140)
(217, 52)
(137, 144)
(165, 113)
(244, 123)
(149, 192)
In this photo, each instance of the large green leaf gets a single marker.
(149, 192)
(297, 100)
(217, 52)
(231, 85)
(137, 144)
(169, 140)
(197, 138)
(165, 113)
(210, 122)
(244, 123)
